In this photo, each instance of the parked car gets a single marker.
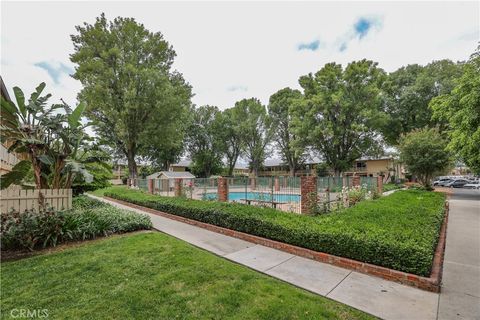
(457, 183)
(472, 185)
(441, 182)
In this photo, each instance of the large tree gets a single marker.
(131, 92)
(461, 110)
(203, 142)
(231, 139)
(423, 153)
(340, 115)
(289, 145)
(256, 131)
(408, 92)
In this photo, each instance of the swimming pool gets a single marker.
(237, 196)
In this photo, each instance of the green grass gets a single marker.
(399, 231)
(154, 276)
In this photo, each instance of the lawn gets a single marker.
(154, 276)
(399, 231)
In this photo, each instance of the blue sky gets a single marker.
(229, 51)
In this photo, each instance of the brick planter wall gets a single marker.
(308, 193)
(222, 189)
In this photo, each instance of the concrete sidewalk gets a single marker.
(460, 296)
(384, 299)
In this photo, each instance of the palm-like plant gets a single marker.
(53, 138)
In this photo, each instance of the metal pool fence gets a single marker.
(282, 192)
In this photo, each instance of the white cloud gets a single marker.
(251, 45)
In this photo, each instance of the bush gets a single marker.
(399, 231)
(88, 219)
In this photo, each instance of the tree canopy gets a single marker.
(461, 110)
(424, 153)
(255, 127)
(131, 92)
(341, 115)
(408, 91)
(203, 142)
(291, 148)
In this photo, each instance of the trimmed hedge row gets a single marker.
(399, 231)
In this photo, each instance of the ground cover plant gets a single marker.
(87, 219)
(154, 276)
(399, 231)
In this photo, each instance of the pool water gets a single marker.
(237, 196)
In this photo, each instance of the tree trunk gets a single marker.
(292, 171)
(132, 165)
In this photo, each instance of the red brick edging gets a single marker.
(432, 283)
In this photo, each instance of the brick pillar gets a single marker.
(178, 187)
(356, 181)
(222, 189)
(277, 184)
(253, 183)
(150, 185)
(380, 184)
(308, 193)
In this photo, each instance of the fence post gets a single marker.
(222, 189)
(277, 184)
(150, 185)
(308, 193)
(356, 181)
(380, 184)
(178, 187)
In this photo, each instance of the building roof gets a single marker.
(171, 175)
(3, 90)
(367, 158)
(182, 163)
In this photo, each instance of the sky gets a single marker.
(229, 51)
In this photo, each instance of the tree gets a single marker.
(131, 92)
(340, 116)
(461, 110)
(291, 149)
(203, 143)
(230, 135)
(423, 151)
(256, 131)
(408, 92)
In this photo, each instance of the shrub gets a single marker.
(399, 231)
(88, 219)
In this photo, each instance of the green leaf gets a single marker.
(46, 159)
(38, 91)
(18, 173)
(75, 116)
(20, 100)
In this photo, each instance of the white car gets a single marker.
(472, 185)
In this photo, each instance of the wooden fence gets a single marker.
(21, 200)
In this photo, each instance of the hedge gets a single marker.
(399, 231)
